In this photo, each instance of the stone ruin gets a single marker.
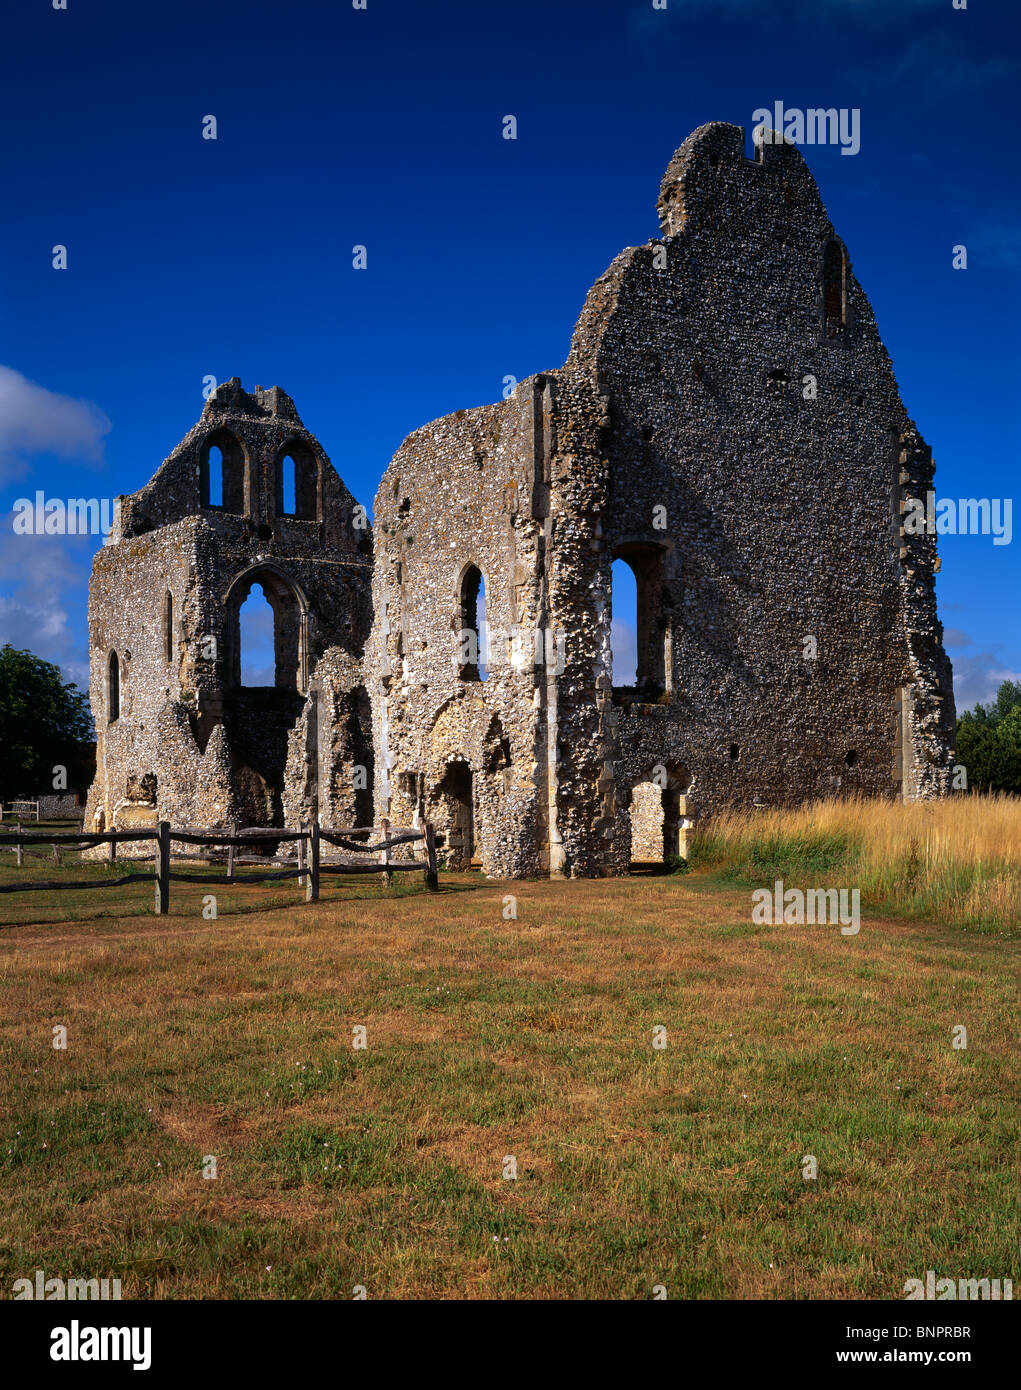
(727, 423)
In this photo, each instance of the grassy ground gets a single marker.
(487, 1038)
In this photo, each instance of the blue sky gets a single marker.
(336, 127)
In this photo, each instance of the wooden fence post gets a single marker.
(432, 879)
(230, 853)
(111, 848)
(18, 851)
(302, 858)
(56, 852)
(384, 854)
(312, 877)
(163, 868)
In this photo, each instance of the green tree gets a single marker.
(1008, 751)
(44, 723)
(989, 742)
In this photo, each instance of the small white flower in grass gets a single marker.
(268, 1268)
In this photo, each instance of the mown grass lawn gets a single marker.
(489, 1038)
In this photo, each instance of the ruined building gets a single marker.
(179, 737)
(727, 423)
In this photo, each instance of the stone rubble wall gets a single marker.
(727, 422)
(792, 638)
(190, 744)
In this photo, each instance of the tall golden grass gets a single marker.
(957, 860)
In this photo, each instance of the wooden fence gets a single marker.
(308, 871)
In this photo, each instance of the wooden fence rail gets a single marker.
(308, 871)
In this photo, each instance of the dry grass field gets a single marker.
(487, 1037)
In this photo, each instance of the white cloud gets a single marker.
(43, 609)
(34, 420)
(977, 678)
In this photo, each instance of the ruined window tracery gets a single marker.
(257, 639)
(276, 642)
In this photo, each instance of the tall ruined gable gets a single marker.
(753, 403)
(728, 423)
(180, 734)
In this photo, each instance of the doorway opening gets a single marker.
(658, 821)
(456, 796)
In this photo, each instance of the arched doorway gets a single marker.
(454, 796)
(658, 819)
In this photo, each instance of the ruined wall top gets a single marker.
(251, 462)
(708, 173)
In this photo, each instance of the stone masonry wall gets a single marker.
(727, 423)
(190, 743)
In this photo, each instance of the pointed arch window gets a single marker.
(287, 476)
(222, 473)
(640, 631)
(296, 481)
(215, 466)
(113, 689)
(472, 626)
(268, 640)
